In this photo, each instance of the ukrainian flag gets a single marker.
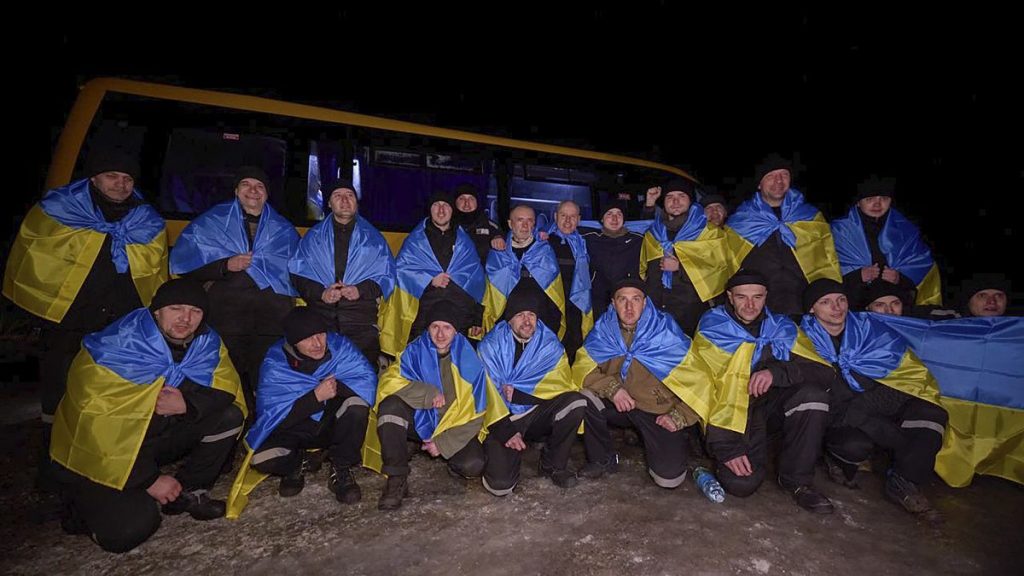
(802, 228)
(900, 241)
(730, 352)
(280, 386)
(417, 265)
(977, 363)
(112, 390)
(659, 345)
(542, 370)
(503, 270)
(369, 257)
(58, 243)
(704, 252)
(475, 396)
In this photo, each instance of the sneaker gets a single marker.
(840, 472)
(808, 498)
(906, 494)
(197, 503)
(344, 486)
(397, 487)
(292, 484)
(563, 478)
(595, 470)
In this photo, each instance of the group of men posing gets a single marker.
(741, 325)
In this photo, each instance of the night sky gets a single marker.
(927, 98)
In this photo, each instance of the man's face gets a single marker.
(466, 203)
(629, 304)
(521, 222)
(715, 214)
(567, 218)
(613, 220)
(252, 195)
(891, 305)
(344, 204)
(440, 213)
(775, 184)
(441, 334)
(875, 206)
(677, 202)
(988, 302)
(524, 324)
(178, 321)
(831, 310)
(313, 347)
(748, 300)
(115, 186)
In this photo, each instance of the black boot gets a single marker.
(197, 503)
(396, 488)
(344, 485)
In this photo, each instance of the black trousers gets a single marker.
(666, 452)
(341, 431)
(247, 352)
(573, 338)
(802, 415)
(119, 520)
(395, 429)
(554, 422)
(909, 427)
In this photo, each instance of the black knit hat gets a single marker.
(523, 298)
(771, 163)
(979, 282)
(879, 289)
(327, 188)
(112, 160)
(612, 201)
(181, 291)
(442, 311)
(715, 198)
(875, 186)
(630, 282)
(440, 196)
(681, 184)
(253, 172)
(746, 276)
(820, 287)
(301, 323)
(466, 188)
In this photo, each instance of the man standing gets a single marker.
(574, 266)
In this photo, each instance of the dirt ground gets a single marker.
(622, 524)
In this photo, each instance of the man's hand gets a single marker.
(350, 293)
(666, 422)
(543, 236)
(760, 382)
(326, 389)
(164, 489)
(891, 275)
(507, 390)
(441, 280)
(239, 262)
(498, 243)
(623, 401)
(869, 273)
(516, 442)
(438, 401)
(652, 196)
(170, 402)
(332, 293)
(429, 447)
(739, 466)
(476, 331)
(669, 263)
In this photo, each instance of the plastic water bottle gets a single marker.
(709, 485)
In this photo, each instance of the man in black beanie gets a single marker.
(473, 219)
(315, 391)
(985, 295)
(614, 252)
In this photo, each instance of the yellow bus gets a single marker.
(190, 142)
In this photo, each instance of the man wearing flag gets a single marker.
(437, 262)
(343, 269)
(764, 372)
(152, 387)
(574, 266)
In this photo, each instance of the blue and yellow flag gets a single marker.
(579, 290)
(280, 386)
(112, 390)
(977, 363)
(58, 243)
(659, 345)
(900, 241)
(369, 257)
(503, 271)
(802, 228)
(417, 265)
(475, 397)
(730, 352)
(542, 371)
(704, 252)
(220, 233)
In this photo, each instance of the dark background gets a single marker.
(927, 97)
